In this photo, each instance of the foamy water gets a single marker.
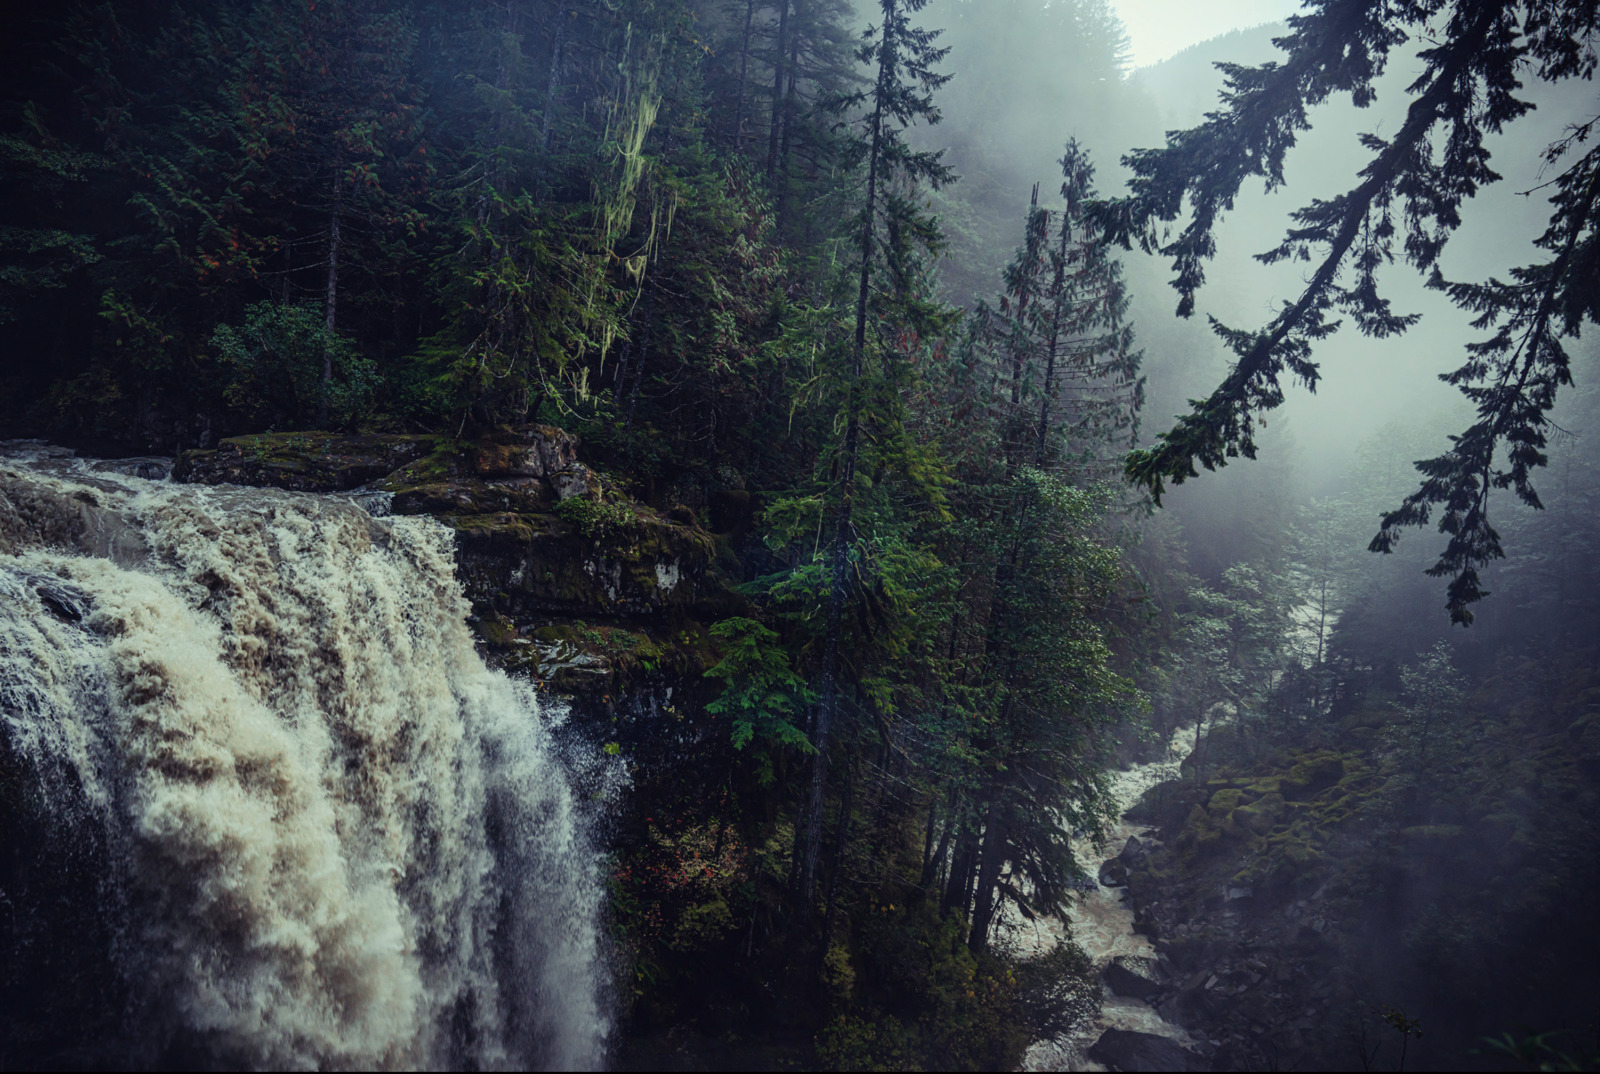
(1101, 922)
(336, 837)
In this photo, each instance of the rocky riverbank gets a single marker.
(1308, 900)
(1126, 1032)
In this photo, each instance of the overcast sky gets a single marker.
(1160, 28)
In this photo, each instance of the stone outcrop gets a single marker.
(1135, 977)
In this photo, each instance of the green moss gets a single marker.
(598, 518)
(1262, 815)
(1224, 802)
(1313, 773)
(497, 630)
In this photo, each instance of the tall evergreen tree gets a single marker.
(905, 57)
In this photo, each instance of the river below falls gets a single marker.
(1101, 922)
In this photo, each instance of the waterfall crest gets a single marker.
(333, 836)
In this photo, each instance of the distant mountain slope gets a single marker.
(1184, 86)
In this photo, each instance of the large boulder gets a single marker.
(1131, 977)
(531, 451)
(1166, 805)
(1125, 1049)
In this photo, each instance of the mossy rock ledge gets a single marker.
(591, 594)
(302, 461)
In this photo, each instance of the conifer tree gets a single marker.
(1059, 338)
(902, 94)
(1062, 388)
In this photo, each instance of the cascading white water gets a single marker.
(334, 836)
(1101, 922)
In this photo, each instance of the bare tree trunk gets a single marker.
(491, 170)
(958, 888)
(744, 70)
(777, 87)
(782, 167)
(1058, 296)
(994, 852)
(841, 840)
(828, 700)
(553, 83)
(933, 857)
(332, 310)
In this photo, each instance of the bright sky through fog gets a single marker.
(1160, 28)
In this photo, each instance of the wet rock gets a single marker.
(1131, 977)
(576, 480)
(1133, 851)
(1124, 1049)
(531, 451)
(1166, 805)
(151, 468)
(1113, 874)
(462, 496)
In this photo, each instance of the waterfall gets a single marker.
(331, 836)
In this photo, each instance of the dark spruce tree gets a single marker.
(1036, 680)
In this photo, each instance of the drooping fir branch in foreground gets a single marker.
(902, 94)
(1478, 52)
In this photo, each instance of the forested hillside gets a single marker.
(837, 305)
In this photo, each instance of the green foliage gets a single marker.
(677, 895)
(1542, 1051)
(1434, 723)
(273, 369)
(762, 695)
(597, 518)
(945, 1007)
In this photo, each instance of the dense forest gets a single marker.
(846, 302)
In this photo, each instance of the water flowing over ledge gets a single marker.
(331, 835)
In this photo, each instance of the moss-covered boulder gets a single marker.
(1312, 773)
(529, 451)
